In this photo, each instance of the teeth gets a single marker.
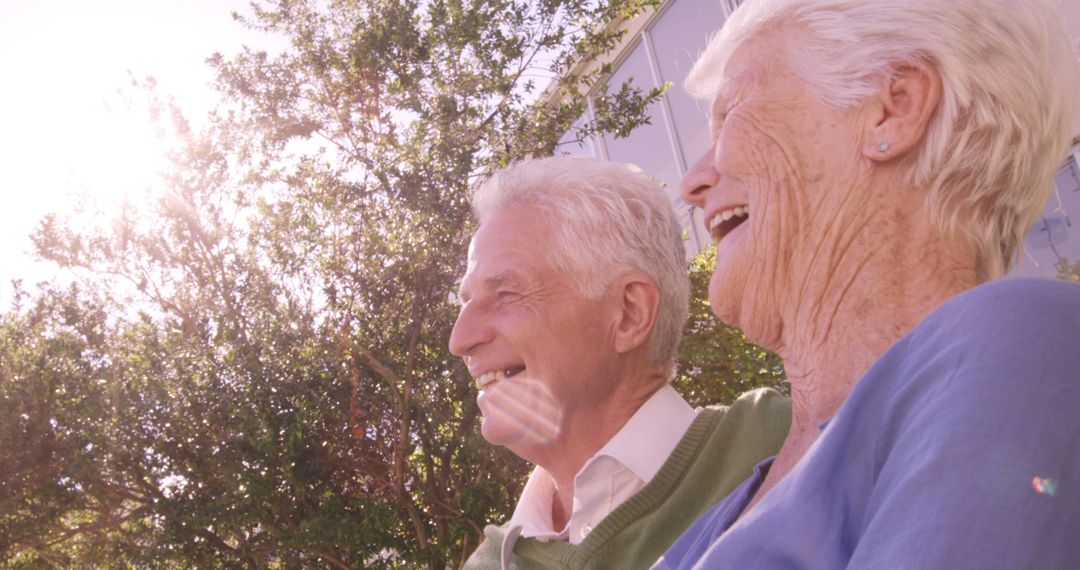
(721, 217)
(489, 377)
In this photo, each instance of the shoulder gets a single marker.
(496, 531)
(996, 327)
(1005, 351)
(1034, 306)
(754, 425)
(763, 407)
(758, 403)
(728, 441)
(1032, 289)
(764, 400)
(974, 403)
(489, 553)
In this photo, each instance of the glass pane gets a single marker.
(693, 221)
(647, 146)
(1055, 236)
(679, 36)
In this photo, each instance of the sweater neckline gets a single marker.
(647, 499)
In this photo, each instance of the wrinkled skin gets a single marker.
(795, 162)
(519, 311)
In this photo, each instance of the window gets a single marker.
(648, 146)
(1056, 235)
(678, 38)
(678, 132)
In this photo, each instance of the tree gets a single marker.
(54, 407)
(1068, 270)
(251, 370)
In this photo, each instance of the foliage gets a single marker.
(53, 418)
(1068, 271)
(250, 368)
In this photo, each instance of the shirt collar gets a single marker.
(650, 435)
(533, 511)
(643, 444)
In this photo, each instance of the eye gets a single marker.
(719, 119)
(717, 124)
(505, 295)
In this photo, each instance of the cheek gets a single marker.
(751, 140)
(735, 149)
(748, 263)
(770, 221)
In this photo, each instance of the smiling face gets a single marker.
(778, 189)
(775, 187)
(538, 350)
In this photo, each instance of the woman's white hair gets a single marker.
(1002, 129)
(606, 220)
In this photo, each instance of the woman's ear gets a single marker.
(638, 303)
(900, 113)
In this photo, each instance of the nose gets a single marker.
(699, 179)
(469, 331)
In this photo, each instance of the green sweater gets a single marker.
(718, 451)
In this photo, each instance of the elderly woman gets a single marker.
(875, 165)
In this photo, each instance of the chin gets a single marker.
(740, 304)
(518, 414)
(723, 298)
(516, 434)
(497, 434)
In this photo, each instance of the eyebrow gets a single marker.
(500, 279)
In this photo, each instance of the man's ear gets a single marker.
(638, 302)
(900, 113)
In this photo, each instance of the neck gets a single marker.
(584, 432)
(853, 305)
(843, 321)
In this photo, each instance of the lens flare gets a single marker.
(520, 408)
(1044, 485)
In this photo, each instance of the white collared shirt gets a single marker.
(621, 468)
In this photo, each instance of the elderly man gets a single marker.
(573, 304)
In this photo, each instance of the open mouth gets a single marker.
(724, 222)
(488, 378)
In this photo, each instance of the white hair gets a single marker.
(606, 220)
(1001, 131)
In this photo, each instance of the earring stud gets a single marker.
(883, 146)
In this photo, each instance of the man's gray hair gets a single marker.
(606, 220)
(1002, 128)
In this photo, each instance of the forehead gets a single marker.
(750, 65)
(510, 246)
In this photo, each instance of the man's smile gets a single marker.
(496, 375)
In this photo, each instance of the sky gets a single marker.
(64, 77)
(66, 122)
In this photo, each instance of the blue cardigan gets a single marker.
(959, 448)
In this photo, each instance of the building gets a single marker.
(662, 46)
